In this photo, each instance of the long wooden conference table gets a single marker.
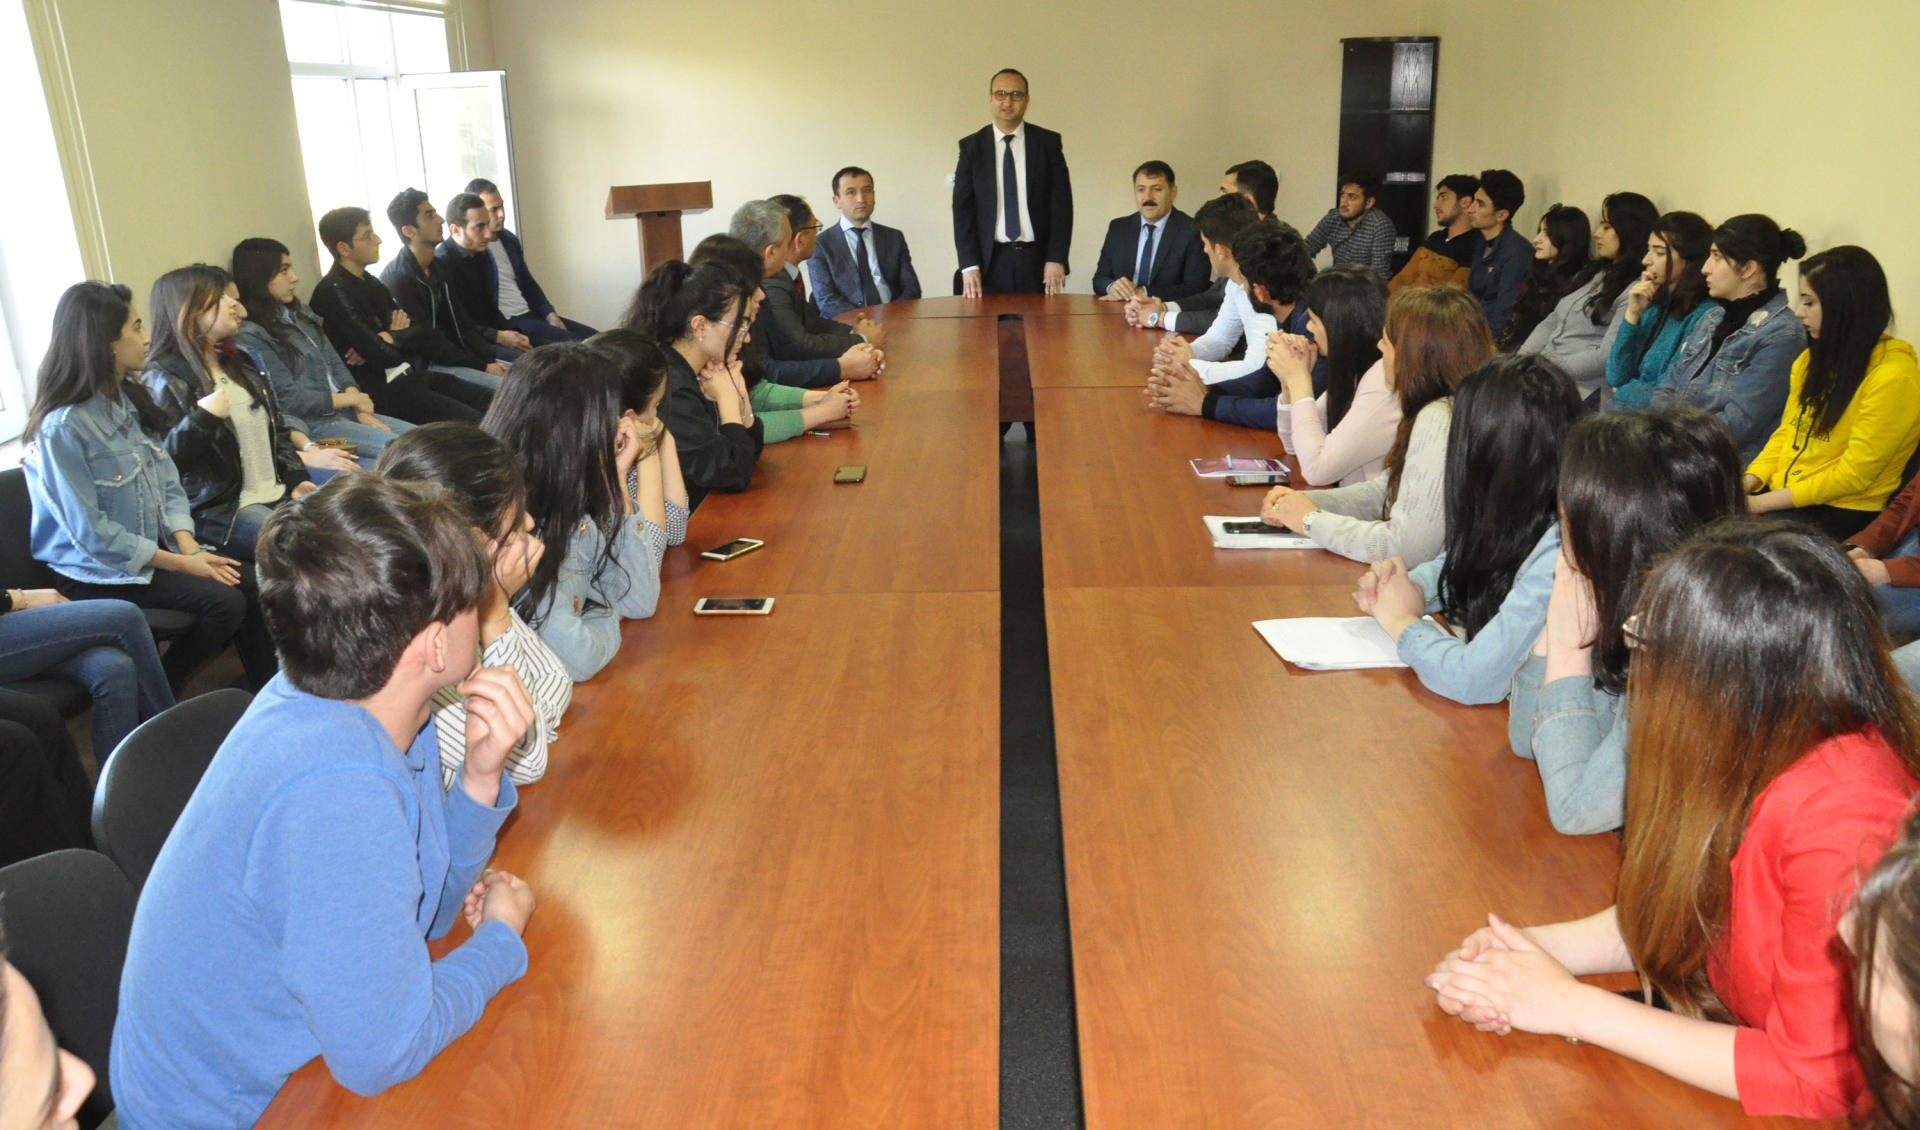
(766, 850)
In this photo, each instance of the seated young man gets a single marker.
(1357, 231)
(449, 339)
(289, 912)
(1259, 185)
(1442, 258)
(463, 258)
(515, 291)
(792, 320)
(1501, 256)
(1235, 344)
(857, 263)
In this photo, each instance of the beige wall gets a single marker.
(759, 98)
(187, 109)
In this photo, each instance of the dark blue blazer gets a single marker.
(836, 277)
(1049, 195)
(1180, 268)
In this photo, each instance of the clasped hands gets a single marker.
(1500, 979)
(1173, 384)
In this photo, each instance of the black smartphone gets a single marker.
(1253, 526)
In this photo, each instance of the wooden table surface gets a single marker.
(766, 850)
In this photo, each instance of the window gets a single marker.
(379, 110)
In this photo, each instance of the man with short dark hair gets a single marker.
(1235, 344)
(1012, 201)
(1357, 231)
(794, 326)
(376, 338)
(288, 915)
(1501, 256)
(1253, 181)
(763, 226)
(454, 342)
(857, 263)
(513, 287)
(1155, 250)
(1442, 258)
(463, 260)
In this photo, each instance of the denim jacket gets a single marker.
(581, 619)
(304, 371)
(1745, 384)
(105, 495)
(1481, 670)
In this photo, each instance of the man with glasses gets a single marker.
(768, 231)
(794, 326)
(1012, 201)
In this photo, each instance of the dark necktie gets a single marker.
(800, 284)
(1010, 192)
(866, 266)
(1146, 257)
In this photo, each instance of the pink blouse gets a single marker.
(1356, 449)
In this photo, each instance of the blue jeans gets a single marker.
(479, 378)
(370, 440)
(103, 645)
(1900, 608)
(542, 332)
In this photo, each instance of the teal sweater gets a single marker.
(1642, 354)
(778, 409)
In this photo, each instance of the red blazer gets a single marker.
(1815, 832)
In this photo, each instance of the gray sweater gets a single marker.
(1353, 521)
(1568, 338)
(1576, 734)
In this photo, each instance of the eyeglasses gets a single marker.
(814, 226)
(1630, 633)
(1009, 96)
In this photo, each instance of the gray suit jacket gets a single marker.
(836, 277)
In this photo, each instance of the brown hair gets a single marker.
(1757, 641)
(1439, 334)
(1888, 909)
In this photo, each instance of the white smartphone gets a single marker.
(733, 606)
(733, 549)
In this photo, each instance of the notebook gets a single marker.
(1330, 643)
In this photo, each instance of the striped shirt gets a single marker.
(521, 648)
(1368, 243)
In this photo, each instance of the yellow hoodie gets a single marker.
(1857, 466)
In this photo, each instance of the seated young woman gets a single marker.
(1340, 436)
(1633, 485)
(110, 517)
(1578, 334)
(480, 476)
(1495, 574)
(1736, 360)
(562, 412)
(1882, 932)
(1433, 336)
(1562, 247)
(288, 343)
(784, 411)
(217, 417)
(1853, 403)
(1661, 309)
(1772, 758)
(1887, 553)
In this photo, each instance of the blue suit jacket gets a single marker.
(836, 277)
(1180, 268)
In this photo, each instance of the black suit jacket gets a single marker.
(792, 328)
(1180, 268)
(836, 277)
(1049, 195)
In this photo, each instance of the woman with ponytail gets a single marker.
(1771, 760)
(1735, 363)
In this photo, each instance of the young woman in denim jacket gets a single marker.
(288, 344)
(1735, 363)
(594, 459)
(109, 514)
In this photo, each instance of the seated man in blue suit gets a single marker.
(1156, 250)
(858, 263)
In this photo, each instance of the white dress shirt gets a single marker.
(1236, 318)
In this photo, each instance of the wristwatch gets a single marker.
(6, 601)
(1153, 319)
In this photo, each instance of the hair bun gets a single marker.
(1792, 244)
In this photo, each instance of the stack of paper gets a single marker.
(1271, 538)
(1330, 643)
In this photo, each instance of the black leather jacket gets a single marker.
(204, 447)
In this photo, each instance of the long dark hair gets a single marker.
(255, 263)
(557, 411)
(1439, 334)
(1510, 417)
(1550, 280)
(1351, 302)
(179, 346)
(1854, 312)
(1757, 641)
(1631, 216)
(1632, 486)
(675, 293)
(78, 365)
(643, 366)
(476, 471)
(1887, 913)
(1689, 237)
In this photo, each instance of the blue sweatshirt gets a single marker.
(287, 917)
(1499, 268)
(1481, 670)
(1253, 401)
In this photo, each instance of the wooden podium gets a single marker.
(658, 208)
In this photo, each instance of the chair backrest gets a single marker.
(146, 783)
(18, 569)
(67, 915)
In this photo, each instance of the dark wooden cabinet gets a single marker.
(1386, 127)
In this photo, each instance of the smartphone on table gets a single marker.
(733, 549)
(733, 606)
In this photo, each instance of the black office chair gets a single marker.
(19, 570)
(67, 917)
(149, 779)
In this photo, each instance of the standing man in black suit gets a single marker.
(1154, 251)
(1012, 201)
(857, 263)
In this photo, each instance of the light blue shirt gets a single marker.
(880, 289)
(1481, 670)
